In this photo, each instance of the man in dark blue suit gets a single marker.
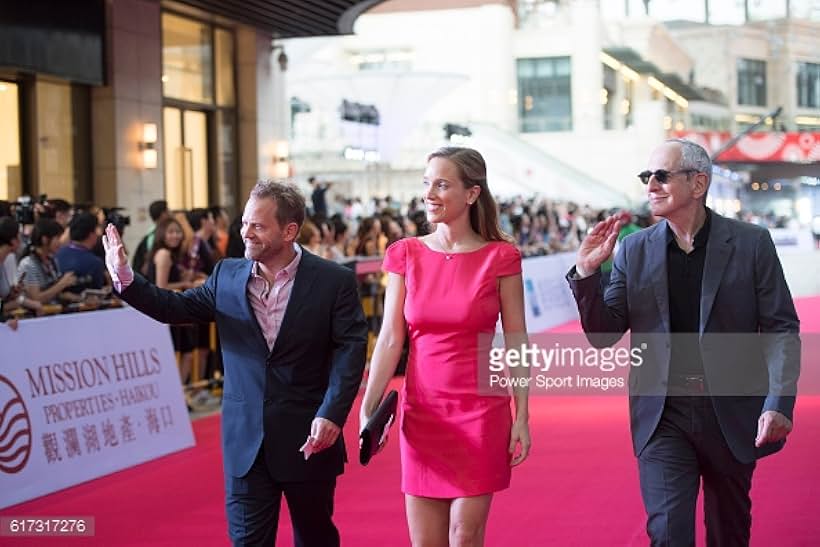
(293, 340)
(707, 303)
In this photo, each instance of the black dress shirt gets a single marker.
(685, 279)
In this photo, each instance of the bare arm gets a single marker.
(388, 348)
(162, 265)
(47, 295)
(511, 292)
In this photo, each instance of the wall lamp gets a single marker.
(279, 167)
(148, 145)
(282, 59)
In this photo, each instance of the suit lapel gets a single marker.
(658, 274)
(718, 251)
(244, 277)
(302, 283)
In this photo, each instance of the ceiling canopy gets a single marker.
(290, 18)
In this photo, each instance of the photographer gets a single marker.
(111, 216)
(158, 210)
(38, 270)
(23, 211)
(58, 209)
(11, 295)
(77, 256)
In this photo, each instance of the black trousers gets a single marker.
(253, 504)
(686, 447)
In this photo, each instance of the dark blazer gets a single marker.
(314, 369)
(748, 328)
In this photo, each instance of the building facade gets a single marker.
(122, 102)
(566, 98)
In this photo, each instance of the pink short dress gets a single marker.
(454, 442)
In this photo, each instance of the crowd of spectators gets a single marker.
(352, 227)
(52, 261)
(52, 257)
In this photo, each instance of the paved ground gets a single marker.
(802, 269)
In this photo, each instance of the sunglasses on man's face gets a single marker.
(661, 175)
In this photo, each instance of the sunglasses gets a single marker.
(661, 175)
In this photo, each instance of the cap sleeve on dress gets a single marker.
(395, 257)
(508, 260)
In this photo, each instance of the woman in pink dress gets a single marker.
(443, 290)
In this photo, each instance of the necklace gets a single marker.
(450, 252)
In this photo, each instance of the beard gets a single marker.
(260, 252)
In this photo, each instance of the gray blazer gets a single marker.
(749, 330)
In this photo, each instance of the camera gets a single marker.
(24, 209)
(115, 217)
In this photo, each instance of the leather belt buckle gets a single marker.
(693, 383)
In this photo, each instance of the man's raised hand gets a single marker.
(115, 256)
(597, 246)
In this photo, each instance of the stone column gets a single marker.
(131, 98)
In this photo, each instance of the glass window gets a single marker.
(808, 85)
(63, 141)
(187, 60)
(10, 178)
(398, 60)
(628, 102)
(805, 9)
(608, 97)
(751, 82)
(227, 183)
(544, 94)
(764, 11)
(186, 158)
(224, 68)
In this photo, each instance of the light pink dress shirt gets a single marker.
(268, 300)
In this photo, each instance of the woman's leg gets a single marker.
(468, 520)
(428, 520)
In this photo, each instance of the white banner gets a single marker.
(789, 239)
(547, 297)
(85, 395)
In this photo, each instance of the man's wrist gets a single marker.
(581, 273)
(122, 276)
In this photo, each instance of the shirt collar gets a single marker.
(700, 238)
(289, 271)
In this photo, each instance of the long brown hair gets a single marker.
(159, 243)
(473, 172)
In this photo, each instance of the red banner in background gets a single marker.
(793, 147)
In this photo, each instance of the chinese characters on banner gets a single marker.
(83, 396)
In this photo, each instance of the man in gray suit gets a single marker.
(705, 298)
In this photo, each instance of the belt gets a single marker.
(690, 383)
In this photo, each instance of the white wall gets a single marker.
(611, 157)
(481, 45)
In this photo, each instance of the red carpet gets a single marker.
(579, 487)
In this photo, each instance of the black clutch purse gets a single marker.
(372, 436)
